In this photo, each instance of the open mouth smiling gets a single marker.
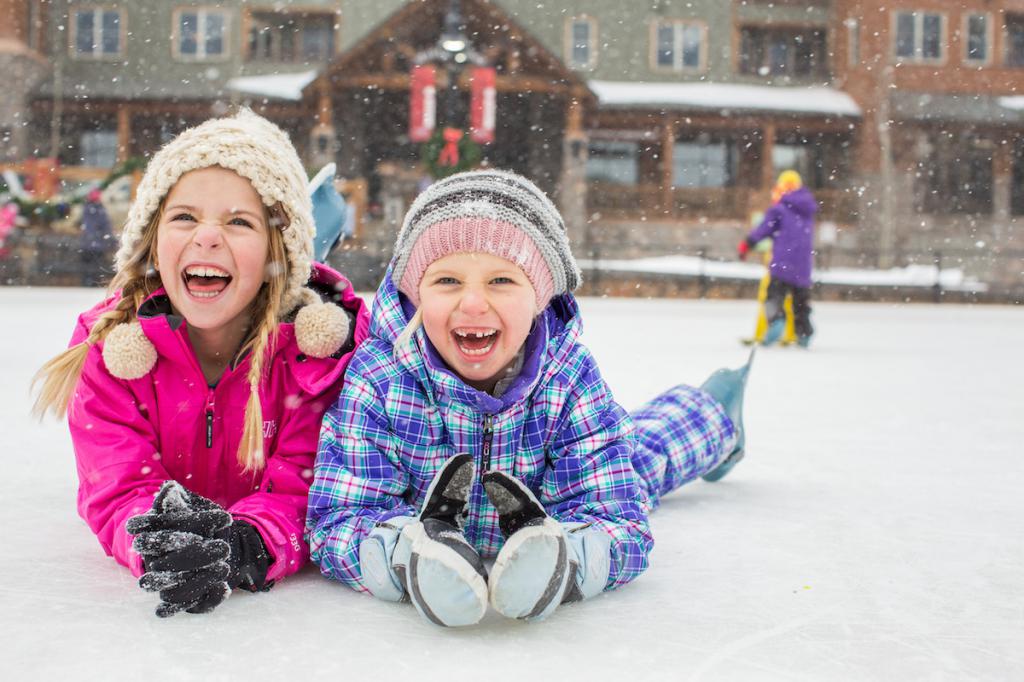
(205, 281)
(475, 341)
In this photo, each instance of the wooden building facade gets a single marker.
(659, 128)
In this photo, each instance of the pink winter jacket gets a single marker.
(131, 436)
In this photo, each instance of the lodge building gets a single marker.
(657, 125)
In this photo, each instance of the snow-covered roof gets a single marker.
(1015, 102)
(804, 100)
(278, 85)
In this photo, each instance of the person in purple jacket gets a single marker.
(790, 225)
(474, 424)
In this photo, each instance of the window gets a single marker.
(793, 156)
(581, 43)
(613, 161)
(958, 176)
(786, 52)
(704, 164)
(814, 158)
(679, 46)
(1014, 40)
(98, 148)
(919, 36)
(200, 34)
(291, 37)
(1017, 179)
(97, 33)
(852, 42)
(977, 38)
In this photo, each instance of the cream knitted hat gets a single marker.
(259, 151)
(488, 211)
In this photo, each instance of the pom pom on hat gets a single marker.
(127, 353)
(320, 328)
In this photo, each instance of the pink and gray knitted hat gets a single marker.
(488, 211)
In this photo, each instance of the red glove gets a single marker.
(742, 249)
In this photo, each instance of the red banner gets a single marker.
(422, 103)
(483, 105)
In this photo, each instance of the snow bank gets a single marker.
(910, 276)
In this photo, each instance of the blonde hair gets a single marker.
(136, 281)
(405, 337)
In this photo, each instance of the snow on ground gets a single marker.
(873, 533)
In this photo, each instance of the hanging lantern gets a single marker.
(482, 105)
(422, 103)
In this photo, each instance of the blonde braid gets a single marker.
(59, 376)
(250, 448)
(267, 308)
(136, 280)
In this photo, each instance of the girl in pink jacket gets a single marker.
(195, 392)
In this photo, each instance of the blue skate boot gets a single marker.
(727, 387)
(774, 332)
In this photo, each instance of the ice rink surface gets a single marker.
(874, 532)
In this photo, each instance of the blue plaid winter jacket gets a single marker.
(402, 414)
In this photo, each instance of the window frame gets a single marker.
(201, 13)
(106, 135)
(678, 32)
(919, 17)
(251, 14)
(989, 38)
(570, 43)
(1017, 19)
(610, 143)
(853, 52)
(944, 189)
(819, 68)
(94, 56)
(729, 168)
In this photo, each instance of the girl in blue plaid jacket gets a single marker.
(473, 424)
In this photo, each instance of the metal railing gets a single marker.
(938, 275)
(48, 258)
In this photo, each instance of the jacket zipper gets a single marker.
(485, 459)
(209, 419)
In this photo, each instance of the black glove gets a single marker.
(184, 559)
(248, 558)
